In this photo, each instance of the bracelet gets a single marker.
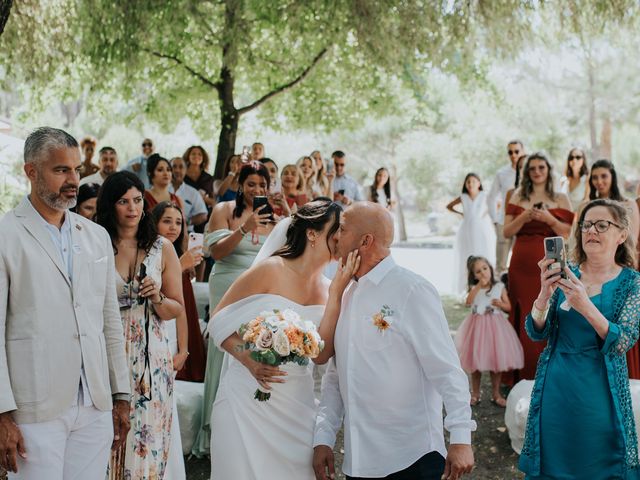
(242, 232)
(538, 315)
(162, 297)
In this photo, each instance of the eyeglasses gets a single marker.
(513, 152)
(147, 145)
(575, 157)
(601, 225)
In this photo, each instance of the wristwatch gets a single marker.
(162, 297)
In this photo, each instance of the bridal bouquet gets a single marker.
(276, 337)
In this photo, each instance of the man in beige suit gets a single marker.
(64, 381)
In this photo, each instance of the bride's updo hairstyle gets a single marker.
(315, 216)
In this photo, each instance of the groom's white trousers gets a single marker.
(74, 446)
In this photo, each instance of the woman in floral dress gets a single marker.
(149, 290)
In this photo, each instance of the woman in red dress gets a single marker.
(535, 211)
(159, 171)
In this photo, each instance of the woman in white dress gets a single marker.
(476, 234)
(575, 182)
(273, 439)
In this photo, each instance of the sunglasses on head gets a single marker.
(575, 157)
(513, 152)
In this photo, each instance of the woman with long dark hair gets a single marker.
(149, 292)
(575, 182)
(476, 235)
(159, 171)
(535, 211)
(380, 190)
(235, 234)
(291, 278)
(87, 198)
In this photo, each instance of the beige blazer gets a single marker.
(51, 326)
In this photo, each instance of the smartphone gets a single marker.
(195, 240)
(141, 276)
(259, 202)
(329, 167)
(554, 248)
(246, 153)
(341, 191)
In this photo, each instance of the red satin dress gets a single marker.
(193, 370)
(524, 283)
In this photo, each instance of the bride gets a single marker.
(273, 439)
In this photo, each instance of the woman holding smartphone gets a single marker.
(234, 235)
(581, 422)
(535, 211)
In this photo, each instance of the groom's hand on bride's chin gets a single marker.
(323, 463)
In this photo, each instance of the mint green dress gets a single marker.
(224, 273)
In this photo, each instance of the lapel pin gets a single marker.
(79, 227)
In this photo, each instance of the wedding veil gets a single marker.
(275, 241)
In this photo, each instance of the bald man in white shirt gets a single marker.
(395, 363)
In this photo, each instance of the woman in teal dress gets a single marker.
(235, 236)
(581, 423)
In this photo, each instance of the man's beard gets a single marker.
(56, 200)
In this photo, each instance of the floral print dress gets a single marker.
(151, 376)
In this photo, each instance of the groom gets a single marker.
(394, 365)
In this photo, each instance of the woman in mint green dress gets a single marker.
(581, 423)
(235, 236)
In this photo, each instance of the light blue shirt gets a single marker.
(61, 238)
(142, 174)
(193, 202)
(350, 187)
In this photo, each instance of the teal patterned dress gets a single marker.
(224, 273)
(580, 421)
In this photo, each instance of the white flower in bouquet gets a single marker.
(264, 340)
(291, 317)
(281, 343)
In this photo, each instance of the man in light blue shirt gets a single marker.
(195, 210)
(138, 165)
(345, 189)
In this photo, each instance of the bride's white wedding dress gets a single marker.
(262, 440)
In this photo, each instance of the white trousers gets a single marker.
(74, 446)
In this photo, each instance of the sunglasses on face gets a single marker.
(601, 226)
(575, 157)
(513, 152)
(339, 164)
(147, 145)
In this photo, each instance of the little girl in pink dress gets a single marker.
(486, 341)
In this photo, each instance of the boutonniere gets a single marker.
(382, 320)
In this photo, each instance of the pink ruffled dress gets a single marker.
(486, 341)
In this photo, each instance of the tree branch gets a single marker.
(201, 77)
(285, 86)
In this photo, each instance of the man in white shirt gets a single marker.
(138, 165)
(195, 210)
(108, 163)
(503, 182)
(64, 379)
(345, 189)
(394, 364)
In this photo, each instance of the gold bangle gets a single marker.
(538, 315)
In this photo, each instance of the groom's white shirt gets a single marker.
(389, 386)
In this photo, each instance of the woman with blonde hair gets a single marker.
(309, 172)
(322, 181)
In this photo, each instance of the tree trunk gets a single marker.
(229, 119)
(605, 138)
(593, 130)
(5, 9)
(402, 228)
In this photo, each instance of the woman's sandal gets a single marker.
(500, 402)
(475, 400)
